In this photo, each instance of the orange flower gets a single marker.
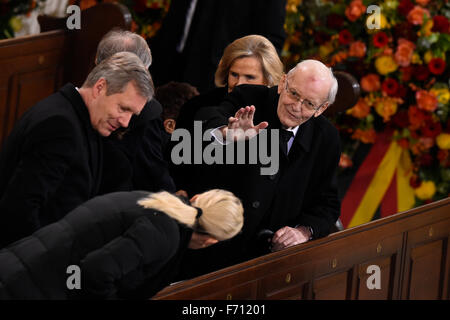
(360, 110)
(365, 136)
(386, 107)
(423, 145)
(338, 57)
(370, 82)
(354, 10)
(415, 16)
(357, 49)
(404, 52)
(345, 161)
(426, 100)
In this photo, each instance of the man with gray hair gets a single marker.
(52, 160)
(134, 157)
(300, 201)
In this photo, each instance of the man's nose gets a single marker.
(240, 81)
(298, 105)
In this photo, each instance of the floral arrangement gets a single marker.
(147, 14)
(402, 69)
(10, 10)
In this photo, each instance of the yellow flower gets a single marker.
(429, 55)
(292, 5)
(325, 50)
(16, 24)
(426, 28)
(385, 65)
(443, 141)
(386, 107)
(384, 22)
(442, 94)
(416, 58)
(426, 190)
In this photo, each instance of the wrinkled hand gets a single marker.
(241, 126)
(199, 241)
(287, 237)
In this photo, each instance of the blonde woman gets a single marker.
(120, 245)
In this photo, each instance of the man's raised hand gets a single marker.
(241, 125)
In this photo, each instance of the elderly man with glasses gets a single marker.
(300, 202)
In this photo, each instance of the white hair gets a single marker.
(334, 84)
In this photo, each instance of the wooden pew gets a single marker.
(412, 250)
(33, 67)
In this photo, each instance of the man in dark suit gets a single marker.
(297, 203)
(52, 160)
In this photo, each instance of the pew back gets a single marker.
(411, 250)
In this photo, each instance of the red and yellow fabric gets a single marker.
(382, 179)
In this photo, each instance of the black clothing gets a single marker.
(50, 163)
(122, 249)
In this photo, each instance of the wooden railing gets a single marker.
(411, 250)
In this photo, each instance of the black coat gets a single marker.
(215, 24)
(303, 192)
(122, 250)
(50, 163)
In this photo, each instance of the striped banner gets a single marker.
(382, 181)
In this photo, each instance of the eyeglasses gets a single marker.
(305, 103)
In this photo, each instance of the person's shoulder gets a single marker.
(328, 132)
(211, 97)
(58, 106)
(325, 125)
(253, 92)
(121, 206)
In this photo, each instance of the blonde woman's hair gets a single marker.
(251, 46)
(222, 215)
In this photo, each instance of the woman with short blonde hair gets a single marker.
(251, 46)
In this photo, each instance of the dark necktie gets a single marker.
(285, 135)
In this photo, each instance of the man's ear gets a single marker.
(99, 87)
(281, 83)
(209, 241)
(321, 110)
(169, 125)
